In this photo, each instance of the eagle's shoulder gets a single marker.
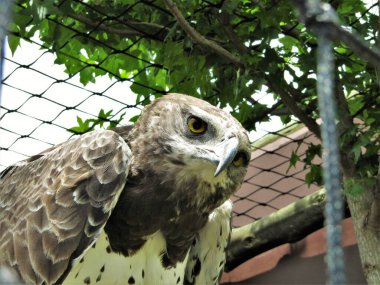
(55, 204)
(123, 131)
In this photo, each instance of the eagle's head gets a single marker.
(194, 146)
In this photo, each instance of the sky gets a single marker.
(31, 70)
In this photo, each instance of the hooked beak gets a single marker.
(227, 151)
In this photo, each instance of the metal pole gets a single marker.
(331, 166)
(4, 21)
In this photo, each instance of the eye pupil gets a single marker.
(197, 125)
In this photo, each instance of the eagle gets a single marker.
(142, 204)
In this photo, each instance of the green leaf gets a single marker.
(314, 175)
(87, 75)
(134, 118)
(285, 119)
(356, 150)
(141, 90)
(354, 187)
(13, 43)
(294, 158)
(311, 152)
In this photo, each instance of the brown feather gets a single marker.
(58, 250)
(24, 265)
(55, 203)
(39, 220)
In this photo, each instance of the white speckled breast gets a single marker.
(99, 265)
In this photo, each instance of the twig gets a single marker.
(345, 118)
(224, 20)
(258, 117)
(291, 104)
(122, 32)
(345, 123)
(198, 38)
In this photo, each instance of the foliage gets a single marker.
(101, 121)
(141, 41)
(356, 187)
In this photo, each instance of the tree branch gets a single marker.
(290, 30)
(249, 124)
(345, 123)
(372, 221)
(224, 20)
(291, 104)
(123, 32)
(344, 116)
(284, 226)
(199, 39)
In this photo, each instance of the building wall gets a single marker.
(293, 269)
(299, 263)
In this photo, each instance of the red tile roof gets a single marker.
(271, 183)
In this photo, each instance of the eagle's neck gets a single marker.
(148, 205)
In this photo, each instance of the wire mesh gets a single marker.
(40, 105)
(271, 183)
(42, 113)
(39, 115)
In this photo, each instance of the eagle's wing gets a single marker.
(53, 206)
(207, 255)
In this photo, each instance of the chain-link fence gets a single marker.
(37, 116)
(42, 105)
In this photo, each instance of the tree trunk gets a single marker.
(364, 209)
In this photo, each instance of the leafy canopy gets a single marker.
(141, 42)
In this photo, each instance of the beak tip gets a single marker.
(228, 153)
(219, 169)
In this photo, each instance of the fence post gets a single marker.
(331, 171)
(331, 158)
(4, 21)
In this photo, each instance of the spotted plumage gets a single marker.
(134, 205)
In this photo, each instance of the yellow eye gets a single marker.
(240, 159)
(196, 125)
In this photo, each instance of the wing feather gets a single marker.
(54, 205)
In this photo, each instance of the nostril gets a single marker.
(228, 136)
